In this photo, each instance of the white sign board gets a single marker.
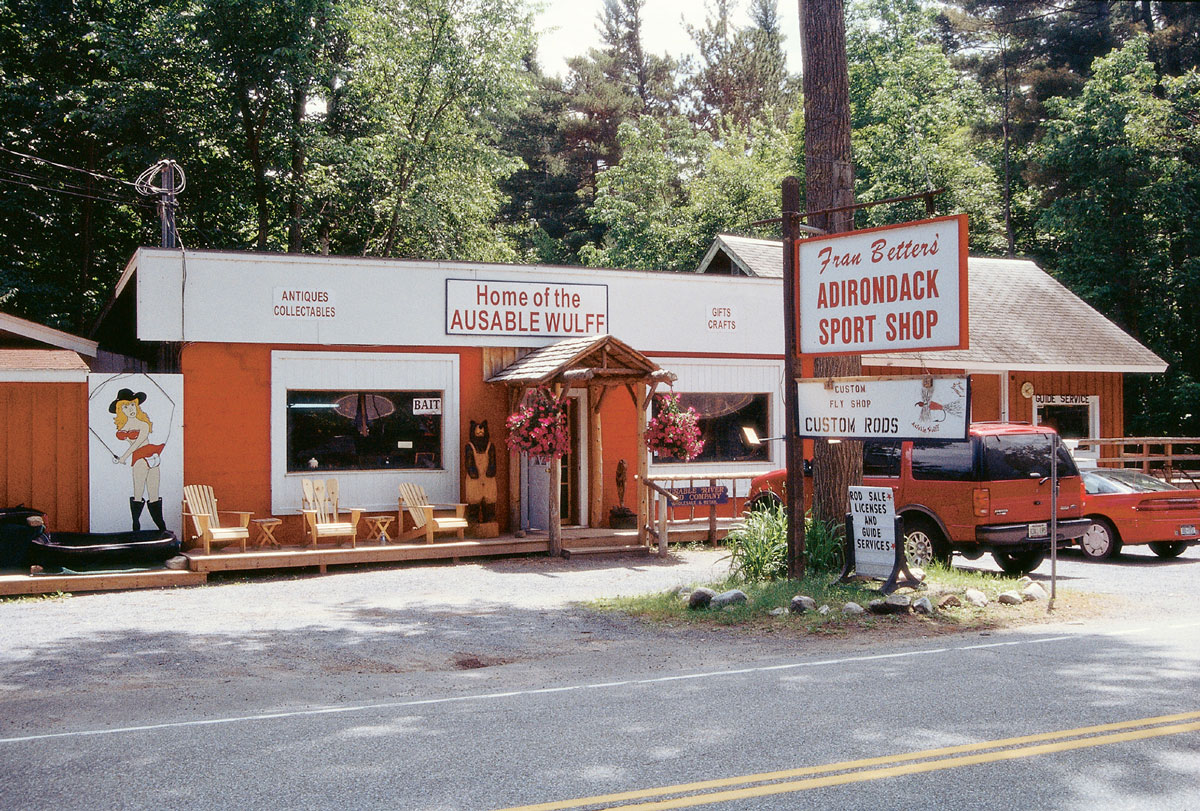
(891, 289)
(135, 452)
(303, 303)
(873, 515)
(930, 406)
(483, 307)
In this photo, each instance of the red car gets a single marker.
(1130, 507)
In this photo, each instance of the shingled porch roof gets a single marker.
(589, 360)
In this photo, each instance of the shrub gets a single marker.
(758, 546)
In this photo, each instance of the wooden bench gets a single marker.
(200, 505)
(427, 519)
(322, 513)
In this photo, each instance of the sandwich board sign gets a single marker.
(875, 539)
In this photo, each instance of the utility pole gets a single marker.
(829, 184)
(793, 445)
(172, 183)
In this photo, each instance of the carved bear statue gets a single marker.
(479, 457)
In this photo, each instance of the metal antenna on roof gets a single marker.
(173, 182)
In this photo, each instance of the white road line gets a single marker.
(426, 702)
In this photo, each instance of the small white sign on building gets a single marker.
(873, 516)
(928, 406)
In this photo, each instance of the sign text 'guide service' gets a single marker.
(891, 289)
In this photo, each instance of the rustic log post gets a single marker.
(641, 394)
(595, 459)
(712, 517)
(554, 521)
(515, 473)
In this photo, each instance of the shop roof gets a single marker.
(1020, 317)
(42, 366)
(22, 333)
(600, 358)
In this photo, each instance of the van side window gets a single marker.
(1022, 456)
(944, 459)
(881, 457)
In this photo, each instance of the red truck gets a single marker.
(989, 492)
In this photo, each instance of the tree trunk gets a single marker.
(254, 153)
(295, 204)
(829, 182)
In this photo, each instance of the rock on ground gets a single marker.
(1010, 598)
(975, 597)
(700, 598)
(853, 608)
(729, 598)
(1034, 591)
(801, 603)
(923, 606)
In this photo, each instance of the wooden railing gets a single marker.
(663, 512)
(1174, 459)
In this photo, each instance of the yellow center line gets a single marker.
(910, 768)
(846, 765)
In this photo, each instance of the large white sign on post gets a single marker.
(891, 289)
(929, 406)
(873, 517)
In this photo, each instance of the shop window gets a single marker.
(722, 417)
(363, 430)
(1074, 417)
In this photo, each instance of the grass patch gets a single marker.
(670, 608)
(36, 598)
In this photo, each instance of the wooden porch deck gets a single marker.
(577, 541)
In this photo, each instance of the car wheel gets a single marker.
(1100, 541)
(924, 542)
(1019, 562)
(1168, 549)
(765, 501)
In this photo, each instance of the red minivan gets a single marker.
(987, 493)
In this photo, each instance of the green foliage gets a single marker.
(758, 546)
(913, 117)
(1121, 229)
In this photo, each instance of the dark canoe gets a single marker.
(92, 550)
(16, 532)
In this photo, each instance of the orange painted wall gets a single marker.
(227, 418)
(45, 451)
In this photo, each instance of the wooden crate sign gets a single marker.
(699, 496)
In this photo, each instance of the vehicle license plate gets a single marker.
(1039, 530)
(1187, 529)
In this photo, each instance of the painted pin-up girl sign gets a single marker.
(135, 429)
(143, 456)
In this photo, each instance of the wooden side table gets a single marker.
(266, 531)
(377, 526)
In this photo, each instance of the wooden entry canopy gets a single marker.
(595, 363)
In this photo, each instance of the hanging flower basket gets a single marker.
(674, 431)
(539, 427)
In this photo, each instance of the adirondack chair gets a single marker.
(426, 518)
(322, 515)
(200, 505)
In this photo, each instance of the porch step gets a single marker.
(621, 549)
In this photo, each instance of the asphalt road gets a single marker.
(479, 688)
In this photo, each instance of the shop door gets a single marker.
(535, 478)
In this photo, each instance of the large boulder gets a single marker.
(1010, 598)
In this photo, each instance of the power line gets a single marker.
(43, 179)
(28, 185)
(97, 175)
